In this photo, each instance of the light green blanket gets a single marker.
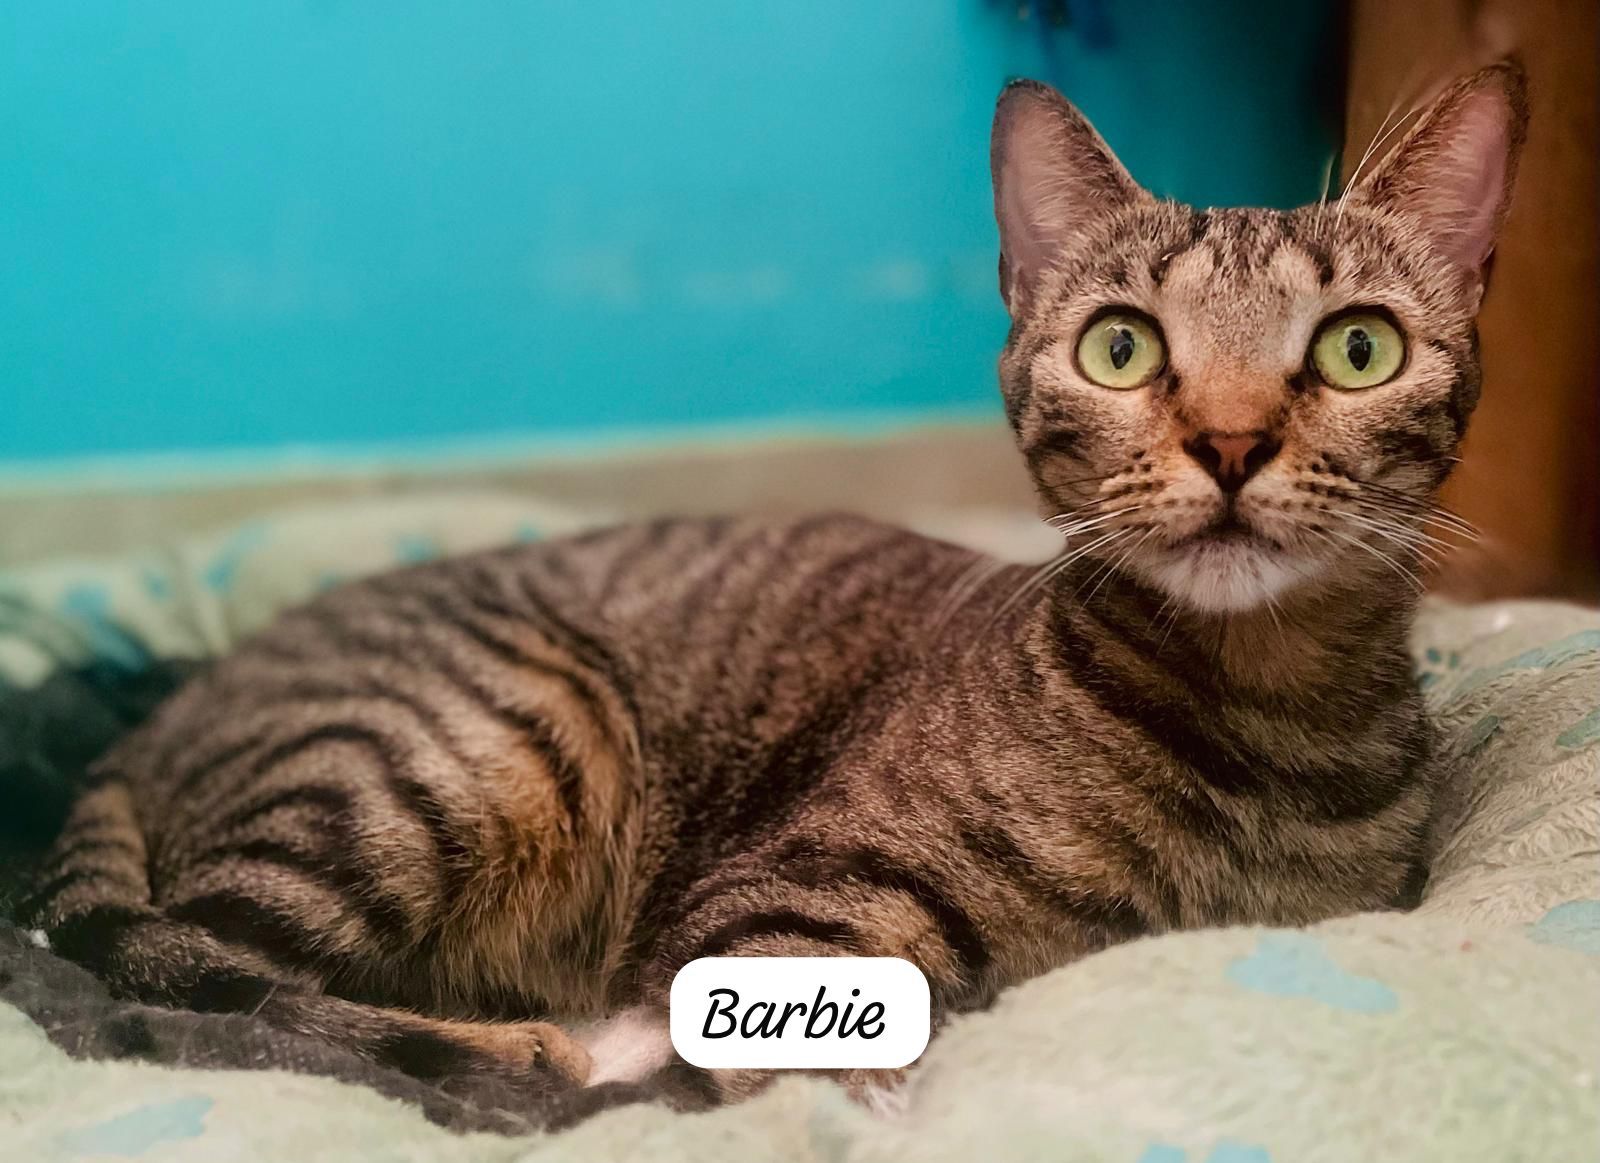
(1468, 1030)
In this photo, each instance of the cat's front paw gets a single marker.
(551, 1050)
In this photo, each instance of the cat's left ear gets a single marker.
(1452, 174)
(1053, 177)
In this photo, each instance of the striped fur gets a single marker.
(454, 814)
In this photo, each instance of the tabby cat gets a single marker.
(473, 815)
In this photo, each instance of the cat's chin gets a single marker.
(1224, 575)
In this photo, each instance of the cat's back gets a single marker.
(676, 624)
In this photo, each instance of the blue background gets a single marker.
(232, 225)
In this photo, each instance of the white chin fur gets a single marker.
(1223, 578)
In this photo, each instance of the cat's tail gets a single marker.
(91, 898)
(95, 907)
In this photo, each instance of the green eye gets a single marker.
(1357, 351)
(1121, 350)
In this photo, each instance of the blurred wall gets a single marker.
(1530, 470)
(313, 221)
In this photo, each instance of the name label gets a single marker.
(792, 1013)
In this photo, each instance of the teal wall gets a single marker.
(243, 225)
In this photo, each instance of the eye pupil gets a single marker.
(1358, 348)
(1121, 349)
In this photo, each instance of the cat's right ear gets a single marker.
(1452, 173)
(1052, 173)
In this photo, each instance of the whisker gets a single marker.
(1410, 577)
(1104, 568)
(1400, 526)
(1355, 174)
(1421, 540)
(1105, 476)
(967, 585)
(1273, 611)
(1327, 187)
(1087, 523)
(1098, 501)
(1411, 540)
(1431, 509)
(1384, 132)
(1399, 495)
(1049, 570)
(1167, 603)
(1405, 500)
(1425, 514)
(1435, 522)
(976, 575)
(1121, 560)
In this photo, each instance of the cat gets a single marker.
(473, 815)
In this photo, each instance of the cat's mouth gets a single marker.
(1229, 528)
(1230, 563)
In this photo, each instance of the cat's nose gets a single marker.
(1232, 458)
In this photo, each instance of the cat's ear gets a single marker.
(1452, 173)
(1052, 174)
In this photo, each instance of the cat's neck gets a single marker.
(1335, 641)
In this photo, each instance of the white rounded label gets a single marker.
(815, 1013)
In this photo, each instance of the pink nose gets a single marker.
(1232, 457)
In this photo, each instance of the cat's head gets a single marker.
(1234, 403)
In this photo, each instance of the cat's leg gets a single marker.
(425, 1046)
(834, 905)
(144, 953)
(212, 951)
(305, 892)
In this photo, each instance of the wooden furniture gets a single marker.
(1530, 474)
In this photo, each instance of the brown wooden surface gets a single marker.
(1530, 473)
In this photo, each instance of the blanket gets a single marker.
(1468, 1029)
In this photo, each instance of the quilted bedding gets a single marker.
(1468, 1029)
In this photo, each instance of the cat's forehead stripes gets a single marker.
(1193, 234)
(1246, 291)
(1244, 240)
(1239, 241)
